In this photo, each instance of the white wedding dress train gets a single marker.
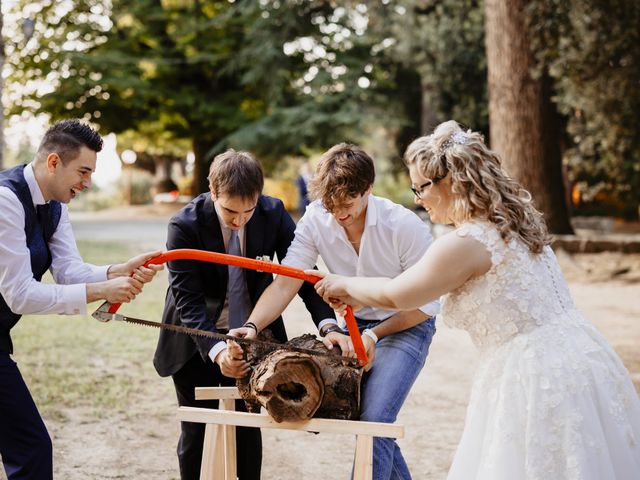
(551, 400)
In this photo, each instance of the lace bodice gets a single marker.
(520, 292)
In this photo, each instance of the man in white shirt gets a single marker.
(36, 236)
(357, 233)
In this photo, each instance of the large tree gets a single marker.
(204, 70)
(525, 126)
(443, 42)
(165, 63)
(590, 49)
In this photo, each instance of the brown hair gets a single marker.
(344, 171)
(237, 174)
(480, 188)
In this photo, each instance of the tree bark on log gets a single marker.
(297, 386)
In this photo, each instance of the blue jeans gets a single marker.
(398, 361)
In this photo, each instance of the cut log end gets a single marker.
(289, 385)
(298, 386)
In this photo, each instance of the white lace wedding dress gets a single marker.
(551, 400)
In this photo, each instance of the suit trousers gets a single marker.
(25, 445)
(198, 373)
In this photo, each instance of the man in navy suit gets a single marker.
(36, 236)
(234, 217)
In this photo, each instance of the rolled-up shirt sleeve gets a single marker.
(302, 253)
(22, 292)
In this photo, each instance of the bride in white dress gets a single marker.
(551, 399)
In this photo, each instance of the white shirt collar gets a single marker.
(34, 188)
(372, 213)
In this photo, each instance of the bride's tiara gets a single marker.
(458, 138)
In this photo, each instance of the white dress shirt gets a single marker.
(393, 240)
(23, 293)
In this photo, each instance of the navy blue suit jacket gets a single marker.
(197, 290)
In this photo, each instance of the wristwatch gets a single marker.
(331, 327)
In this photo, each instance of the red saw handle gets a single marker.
(262, 266)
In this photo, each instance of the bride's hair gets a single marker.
(480, 187)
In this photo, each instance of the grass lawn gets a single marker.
(76, 361)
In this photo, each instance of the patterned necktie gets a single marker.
(237, 288)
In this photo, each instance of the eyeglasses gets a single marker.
(418, 191)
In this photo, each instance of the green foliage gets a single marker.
(293, 50)
(369, 63)
(212, 72)
(443, 42)
(284, 77)
(423, 62)
(590, 49)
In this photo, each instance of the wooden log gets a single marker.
(295, 386)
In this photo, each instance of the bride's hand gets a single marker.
(333, 290)
(331, 285)
(340, 304)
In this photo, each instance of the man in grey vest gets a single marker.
(36, 236)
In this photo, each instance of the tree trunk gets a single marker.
(525, 127)
(428, 117)
(297, 386)
(162, 181)
(201, 164)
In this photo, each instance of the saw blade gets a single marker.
(106, 316)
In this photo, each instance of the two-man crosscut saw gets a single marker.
(107, 311)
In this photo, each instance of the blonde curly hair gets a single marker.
(480, 188)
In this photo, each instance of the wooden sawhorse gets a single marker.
(219, 455)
